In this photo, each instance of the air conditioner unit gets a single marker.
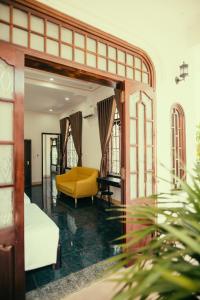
(89, 112)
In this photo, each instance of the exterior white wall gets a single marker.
(90, 140)
(34, 125)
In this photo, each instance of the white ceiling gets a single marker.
(42, 94)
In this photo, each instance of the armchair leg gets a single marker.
(92, 200)
(75, 202)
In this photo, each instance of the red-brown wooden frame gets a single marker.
(47, 13)
(44, 61)
(13, 236)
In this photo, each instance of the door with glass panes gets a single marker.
(11, 173)
(140, 141)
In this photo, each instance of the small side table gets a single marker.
(105, 183)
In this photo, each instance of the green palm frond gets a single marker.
(168, 266)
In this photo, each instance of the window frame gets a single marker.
(178, 139)
(117, 122)
(72, 151)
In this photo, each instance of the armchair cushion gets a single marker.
(68, 186)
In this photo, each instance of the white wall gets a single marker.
(34, 125)
(90, 139)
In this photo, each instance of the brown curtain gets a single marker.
(106, 112)
(118, 101)
(64, 130)
(76, 127)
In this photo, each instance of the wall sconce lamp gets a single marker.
(183, 72)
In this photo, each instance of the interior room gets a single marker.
(86, 236)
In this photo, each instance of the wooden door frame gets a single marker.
(42, 157)
(15, 233)
(58, 65)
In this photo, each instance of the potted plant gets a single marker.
(168, 266)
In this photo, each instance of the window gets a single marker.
(72, 157)
(114, 147)
(178, 145)
(54, 152)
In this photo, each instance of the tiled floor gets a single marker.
(86, 236)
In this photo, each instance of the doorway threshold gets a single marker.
(67, 285)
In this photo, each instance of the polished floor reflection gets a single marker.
(86, 235)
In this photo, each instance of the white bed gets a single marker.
(41, 237)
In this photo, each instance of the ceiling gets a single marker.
(47, 91)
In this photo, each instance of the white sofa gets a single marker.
(41, 237)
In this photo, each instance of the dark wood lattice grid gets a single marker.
(178, 145)
(31, 30)
(142, 146)
(72, 157)
(115, 146)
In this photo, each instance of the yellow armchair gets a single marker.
(79, 182)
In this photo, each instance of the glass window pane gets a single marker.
(145, 78)
(133, 159)
(6, 164)
(37, 42)
(79, 40)
(141, 148)
(6, 207)
(134, 98)
(112, 52)
(144, 67)
(149, 158)
(111, 67)
(149, 130)
(138, 75)
(91, 45)
(66, 35)
(37, 24)
(20, 18)
(102, 63)
(129, 60)
(132, 132)
(91, 60)
(4, 32)
(121, 57)
(6, 122)
(148, 105)
(52, 47)
(138, 63)
(4, 12)
(20, 37)
(52, 30)
(79, 56)
(133, 186)
(66, 52)
(121, 70)
(6, 80)
(129, 73)
(149, 184)
(102, 49)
